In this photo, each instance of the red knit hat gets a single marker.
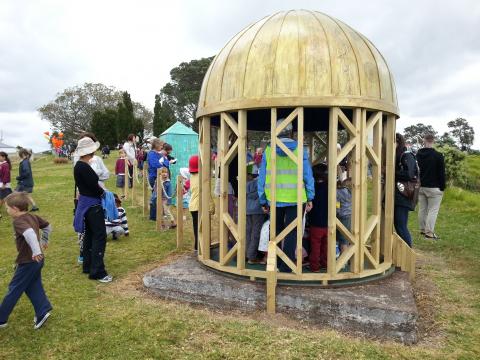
(193, 164)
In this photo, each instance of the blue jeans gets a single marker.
(27, 279)
(400, 220)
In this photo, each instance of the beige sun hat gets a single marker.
(86, 146)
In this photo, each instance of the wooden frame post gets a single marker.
(242, 189)
(300, 190)
(389, 187)
(363, 190)
(332, 189)
(134, 173)
(145, 187)
(179, 212)
(272, 244)
(206, 186)
(127, 179)
(377, 186)
(356, 190)
(227, 222)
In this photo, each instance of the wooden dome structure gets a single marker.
(329, 82)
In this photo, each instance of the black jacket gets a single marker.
(405, 170)
(25, 178)
(432, 168)
(86, 180)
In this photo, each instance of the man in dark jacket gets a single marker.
(432, 185)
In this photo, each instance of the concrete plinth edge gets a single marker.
(384, 309)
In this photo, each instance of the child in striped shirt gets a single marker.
(118, 226)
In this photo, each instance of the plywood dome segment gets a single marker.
(298, 58)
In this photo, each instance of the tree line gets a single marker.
(112, 115)
(460, 136)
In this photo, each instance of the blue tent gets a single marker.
(184, 142)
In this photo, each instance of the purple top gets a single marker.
(84, 204)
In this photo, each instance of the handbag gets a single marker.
(410, 188)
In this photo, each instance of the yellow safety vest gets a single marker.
(286, 187)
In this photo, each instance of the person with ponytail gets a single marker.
(5, 168)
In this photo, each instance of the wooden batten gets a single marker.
(205, 188)
(145, 189)
(356, 194)
(332, 189)
(223, 150)
(125, 185)
(271, 277)
(134, 178)
(273, 177)
(389, 186)
(377, 186)
(159, 188)
(242, 188)
(179, 212)
(300, 188)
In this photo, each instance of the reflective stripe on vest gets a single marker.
(286, 178)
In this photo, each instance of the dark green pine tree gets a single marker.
(104, 126)
(163, 116)
(126, 119)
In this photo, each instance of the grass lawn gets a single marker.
(117, 321)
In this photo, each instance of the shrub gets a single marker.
(472, 164)
(455, 169)
(60, 160)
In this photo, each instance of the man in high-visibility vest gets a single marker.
(286, 189)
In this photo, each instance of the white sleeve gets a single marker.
(32, 241)
(100, 169)
(105, 174)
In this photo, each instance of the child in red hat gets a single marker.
(194, 194)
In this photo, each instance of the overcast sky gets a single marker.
(432, 48)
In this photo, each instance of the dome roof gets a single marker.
(298, 58)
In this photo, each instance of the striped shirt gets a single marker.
(121, 221)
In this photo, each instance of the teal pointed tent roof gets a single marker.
(179, 129)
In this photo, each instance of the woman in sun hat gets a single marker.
(89, 215)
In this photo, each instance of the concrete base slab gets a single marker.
(384, 309)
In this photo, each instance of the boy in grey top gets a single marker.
(255, 216)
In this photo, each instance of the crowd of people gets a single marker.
(98, 213)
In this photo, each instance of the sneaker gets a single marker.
(114, 235)
(3, 325)
(106, 279)
(39, 323)
(80, 260)
(35, 208)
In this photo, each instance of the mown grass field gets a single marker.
(118, 321)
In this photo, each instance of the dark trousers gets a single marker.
(400, 220)
(130, 176)
(195, 227)
(254, 227)
(285, 215)
(27, 279)
(94, 243)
